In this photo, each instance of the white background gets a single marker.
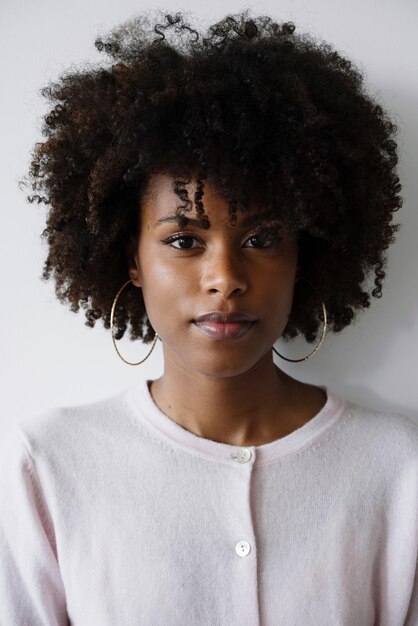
(48, 356)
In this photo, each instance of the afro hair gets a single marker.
(272, 117)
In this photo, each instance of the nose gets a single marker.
(224, 273)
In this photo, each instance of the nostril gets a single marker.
(223, 281)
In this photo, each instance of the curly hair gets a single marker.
(272, 117)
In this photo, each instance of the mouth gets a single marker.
(223, 325)
(224, 330)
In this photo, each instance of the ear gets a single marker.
(134, 267)
(135, 271)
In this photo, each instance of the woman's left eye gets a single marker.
(265, 241)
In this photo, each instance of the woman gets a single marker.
(216, 195)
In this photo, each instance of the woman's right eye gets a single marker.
(181, 239)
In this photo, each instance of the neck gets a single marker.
(252, 408)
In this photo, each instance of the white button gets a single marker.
(243, 455)
(242, 548)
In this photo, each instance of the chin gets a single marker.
(223, 367)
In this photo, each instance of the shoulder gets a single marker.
(397, 426)
(63, 428)
(382, 436)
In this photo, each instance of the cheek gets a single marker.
(280, 293)
(165, 288)
(167, 277)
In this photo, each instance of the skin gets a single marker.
(228, 391)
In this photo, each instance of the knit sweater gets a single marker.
(112, 514)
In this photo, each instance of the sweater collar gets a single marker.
(165, 428)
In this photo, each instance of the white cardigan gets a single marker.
(112, 514)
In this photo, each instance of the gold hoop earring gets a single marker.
(113, 335)
(323, 333)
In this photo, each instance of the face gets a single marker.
(186, 273)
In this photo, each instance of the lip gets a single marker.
(222, 325)
(219, 317)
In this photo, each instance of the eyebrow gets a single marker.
(249, 220)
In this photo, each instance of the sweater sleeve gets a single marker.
(31, 587)
(412, 616)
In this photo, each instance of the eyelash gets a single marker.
(274, 240)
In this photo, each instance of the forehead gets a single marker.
(161, 200)
(161, 186)
(160, 193)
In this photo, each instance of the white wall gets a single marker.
(48, 356)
